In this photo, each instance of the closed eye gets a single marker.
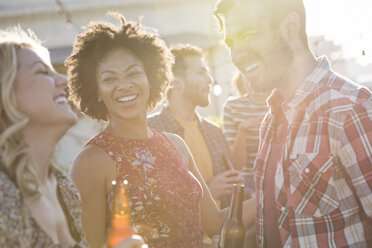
(44, 72)
(245, 35)
(135, 73)
(41, 68)
(108, 79)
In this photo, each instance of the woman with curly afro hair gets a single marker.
(118, 74)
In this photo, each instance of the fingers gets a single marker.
(223, 183)
(234, 180)
(229, 173)
(132, 241)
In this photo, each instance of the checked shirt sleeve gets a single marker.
(356, 152)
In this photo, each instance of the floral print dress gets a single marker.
(164, 195)
(19, 229)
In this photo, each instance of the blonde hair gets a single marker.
(14, 158)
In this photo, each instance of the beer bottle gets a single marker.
(120, 217)
(232, 231)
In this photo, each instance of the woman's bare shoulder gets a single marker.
(92, 161)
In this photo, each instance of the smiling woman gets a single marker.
(34, 116)
(118, 74)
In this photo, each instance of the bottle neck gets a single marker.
(235, 211)
(120, 205)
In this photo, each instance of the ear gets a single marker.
(290, 27)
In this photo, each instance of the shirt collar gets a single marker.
(275, 102)
(309, 84)
(172, 121)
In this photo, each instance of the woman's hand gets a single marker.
(134, 241)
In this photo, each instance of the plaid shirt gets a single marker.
(323, 183)
(214, 138)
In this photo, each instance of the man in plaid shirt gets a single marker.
(314, 165)
(190, 89)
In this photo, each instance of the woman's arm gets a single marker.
(92, 171)
(212, 217)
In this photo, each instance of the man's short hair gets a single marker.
(276, 10)
(180, 52)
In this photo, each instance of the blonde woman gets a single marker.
(39, 205)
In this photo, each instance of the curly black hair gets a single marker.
(100, 38)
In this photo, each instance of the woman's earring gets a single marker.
(99, 100)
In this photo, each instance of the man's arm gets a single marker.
(356, 153)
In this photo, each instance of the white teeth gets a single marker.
(60, 100)
(127, 98)
(251, 67)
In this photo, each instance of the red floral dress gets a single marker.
(164, 195)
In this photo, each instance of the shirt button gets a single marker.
(282, 209)
(307, 170)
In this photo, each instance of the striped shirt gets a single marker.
(323, 182)
(237, 111)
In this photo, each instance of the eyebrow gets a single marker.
(127, 69)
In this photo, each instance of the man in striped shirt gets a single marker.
(242, 117)
(314, 163)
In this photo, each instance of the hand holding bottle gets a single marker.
(134, 241)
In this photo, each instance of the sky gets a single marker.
(347, 22)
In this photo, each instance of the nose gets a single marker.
(61, 80)
(210, 79)
(124, 84)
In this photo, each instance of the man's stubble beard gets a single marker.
(269, 84)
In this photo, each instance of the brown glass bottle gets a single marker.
(232, 231)
(120, 227)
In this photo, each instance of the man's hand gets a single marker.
(222, 184)
(250, 123)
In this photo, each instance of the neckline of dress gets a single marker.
(154, 134)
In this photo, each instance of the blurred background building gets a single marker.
(57, 22)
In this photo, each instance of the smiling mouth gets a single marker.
(250, 68)
(125, 99)
(61, 100)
